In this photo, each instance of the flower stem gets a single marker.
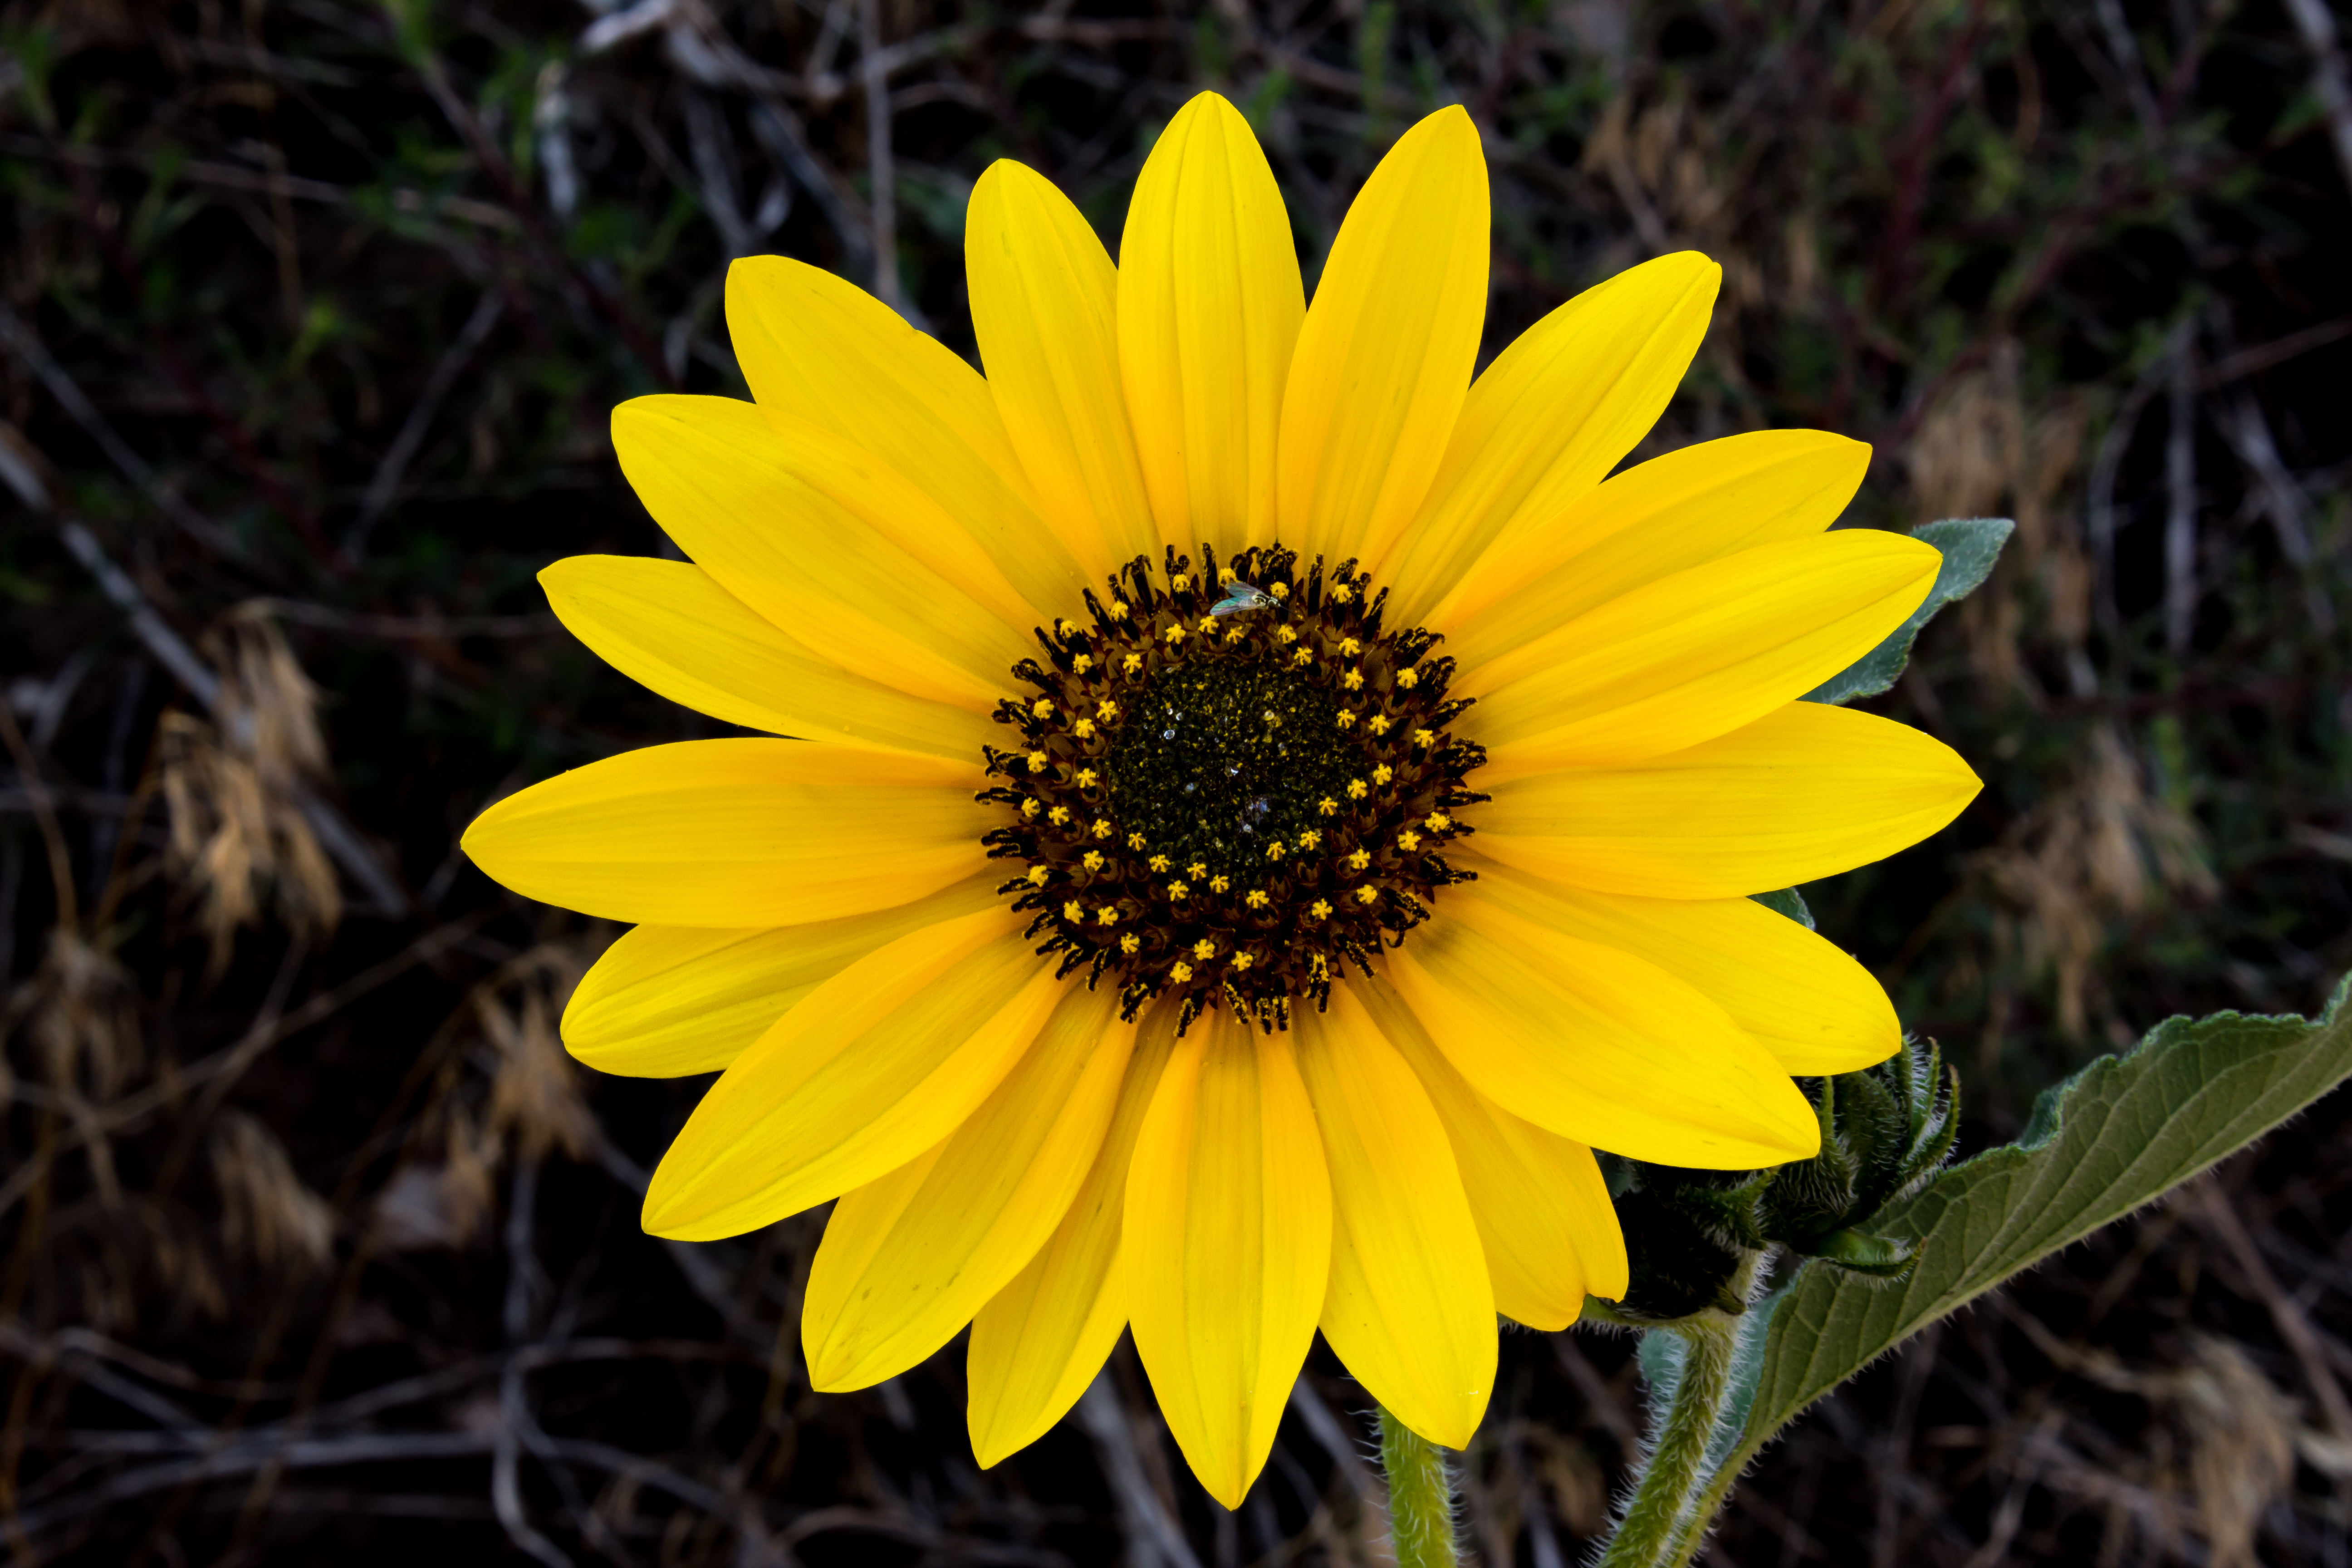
(1654, 1525)
(1421, 1496)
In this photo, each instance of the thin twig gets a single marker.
(1152, 1536)
(27, 347)
(334, 831)
(403, 450)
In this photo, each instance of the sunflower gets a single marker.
(1265, 806)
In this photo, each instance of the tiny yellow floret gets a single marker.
(1425, 738)
(1102, 828)
(1135, 841)
(1346, 720)
(1037, 875)
(1131, 663)
(1073, 912)
(1196, 870)
(1039, 761)
(1328, 806)
(1341, 593)
(1367, 894)
(1383, 773)
(1181, 971)
(1359, 859)
(1280, 590)
(1321, 908)
(1107, 711)
(1205, 950)
(1042, 709)
(1059, 815)
(1108, 915)
(1130, 943)
(1084, 729)
(1408, 840)
(1119, 609)
(1159, 862)
(1407, 679)
(1437, 822)
(1353, 681)
(1087, 778)
(1256, 898)
(1093, 861)
(1179, 890)
(1275, 851)
(1350, 647)
(1358, 789)
(1029, 807)
(1219, 884)
(1378, 723)
(1082, 663)
(1243, 960)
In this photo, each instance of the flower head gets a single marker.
(936, 944)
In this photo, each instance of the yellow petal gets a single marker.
(1804, 999)
(1805, 792)
(824, 351)
(1385, 355)
(1039, 1341)
(907, 1261)
(1696, 654)
(1667, 515)
(1597, 1045)
(877, 1065)
(736, 833)
(1554, 412)
(1409, 1308)
(1044, 306)
(669, 625)
(1549, 1230)
(813, 533)
(1228, 1245)
(667, 1000)
(1209, 307)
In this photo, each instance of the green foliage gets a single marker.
(1788, 902)
(1970, 546)
(1691, 1236)
(2119, 1135)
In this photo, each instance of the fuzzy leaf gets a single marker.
(2115, 1136)
(1970, 546)
(1790, 902)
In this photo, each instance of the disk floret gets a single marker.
(1230, 784)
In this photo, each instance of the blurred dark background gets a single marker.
(314, 1247)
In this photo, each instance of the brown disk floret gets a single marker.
(1230, 783)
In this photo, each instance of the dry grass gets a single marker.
(312, 1241)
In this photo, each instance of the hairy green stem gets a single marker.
(1652, 1529)
(1421, 1496)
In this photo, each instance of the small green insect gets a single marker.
(1240, 596)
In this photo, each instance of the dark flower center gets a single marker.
(1219, 760)
(1232, 785)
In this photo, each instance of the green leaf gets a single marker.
(2113, 1137)
(1970, 546)
(1790, 902)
